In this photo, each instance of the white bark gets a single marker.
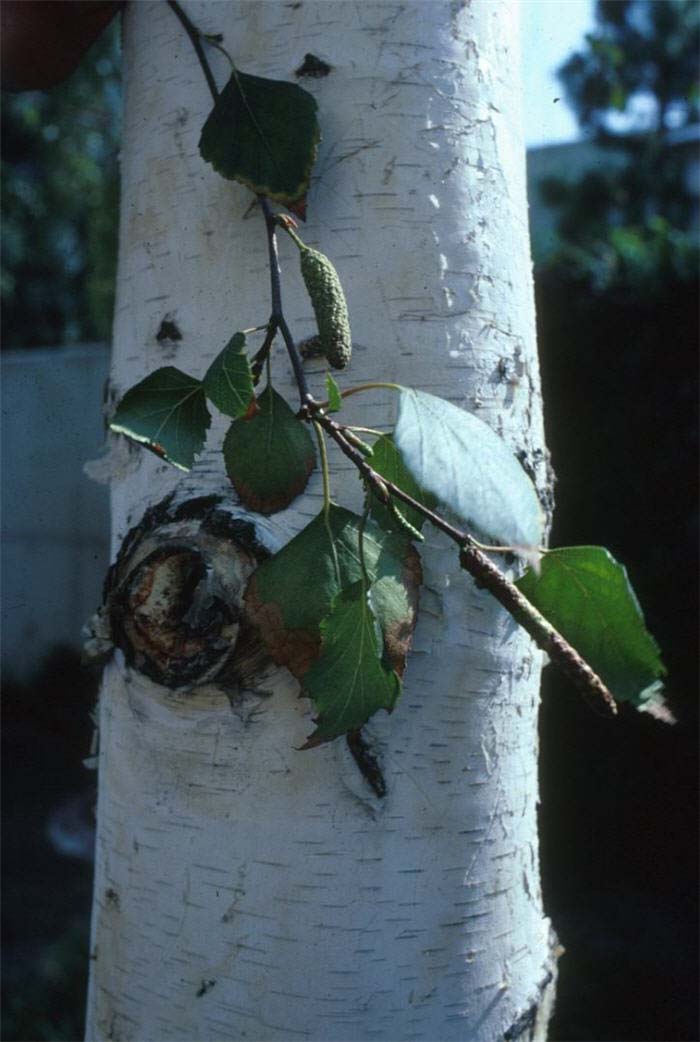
(224, 855)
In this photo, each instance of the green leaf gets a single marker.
(335, 402)
(458, 458)
(387, 461)
(349, 682)
(395, 603)
(167, 412)
(228, 381)
(264, 134)
(290, 594)
(586, 595)
(269, 458)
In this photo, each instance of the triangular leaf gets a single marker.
(292, 592)
(458, 458)
(349, 682)
(269, 458)
(387, 461)
(264, 134)
(228, 381)
(167, 412)
(335, 402)
(586, 595)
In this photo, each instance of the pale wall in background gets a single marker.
(55, 521)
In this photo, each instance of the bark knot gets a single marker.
(173, 597)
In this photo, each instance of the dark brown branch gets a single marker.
(545, 636)
(480, 567)
(483, 571)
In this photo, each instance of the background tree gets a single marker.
(634, 89)
(60, 194)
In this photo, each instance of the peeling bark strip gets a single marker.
(532, 1024)
(321, 911)
(367, 762)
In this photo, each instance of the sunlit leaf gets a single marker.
(167, 412)
(586, 595)
(387, 461)
(467, 467)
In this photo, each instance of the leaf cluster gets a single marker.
(338, 604)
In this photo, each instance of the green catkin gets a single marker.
(328, 301)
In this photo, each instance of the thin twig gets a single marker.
(218, 46)
(275, 284)
(276, 298)
(471, 558)
(372, 386)
(295, 359)
(359, 388)
(324, 469)
(545, 636)
(261, 356)
(196, 40)
(483, 571)
(318, 430)
(363, 430)
(255, 329)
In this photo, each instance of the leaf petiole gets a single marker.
(325, 472)
(215, 42)
(255, 329)
(372, 386)
(196, 40)
(363, 430)
(361, 547)
(358, 388)
(324, 467)
(263, 354)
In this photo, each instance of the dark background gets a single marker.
(617, 316)
(619, 800)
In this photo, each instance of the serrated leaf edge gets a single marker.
(145, 440)
(279, 197)
(243, 354)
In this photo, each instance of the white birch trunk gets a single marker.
(244, 889)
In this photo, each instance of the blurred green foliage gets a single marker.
(60, 189)
(44, 992)
(640, 61)
(634, 88)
